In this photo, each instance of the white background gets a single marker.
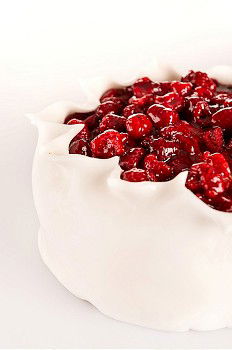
(45, 46)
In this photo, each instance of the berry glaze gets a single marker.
(159, 129)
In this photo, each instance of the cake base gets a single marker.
(200, 322)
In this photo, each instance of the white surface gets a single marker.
(42, 51)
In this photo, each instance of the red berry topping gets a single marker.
(162, 116)
(159, 129)
(213, 139)
(223, 118)
(181, 88)
(134, 175)
(131, 109)
(113, 121)
(108, 144)
(170, 100)
(203, 92)
(157, 170)
(142, 102)
(212, 177)
(132, 158)
(143, 86)
(138, 125)
(200, 79)
(107, 107)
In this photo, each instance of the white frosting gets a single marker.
(147, 253)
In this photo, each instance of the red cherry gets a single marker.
(181, 88)
(138, 125)
(162, 116)
(107, 107)
(108, 144)
(143, 86)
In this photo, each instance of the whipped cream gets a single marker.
(147, 253)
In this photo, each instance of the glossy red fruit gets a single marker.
(198, 110)
(112, 121)
(180, 163)
(212, 176)
(171, 100)
(108, 144)
(222, 100)
(143, 86)
(163, 149)
(157, 170)
(142, 102)
(134, 175)
(164, 87)
(181, 88)
(132, 158)
(203, 92)
(221, 202)
(138, 125)
(213, 139)
(189, 144)
(107, 107)
(200, 79)
(162, 116)
(223, 118)
(92, 121)
(182, 127)
(131, 109)
(80, 147)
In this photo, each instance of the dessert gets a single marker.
(159, 129)
(134, 201)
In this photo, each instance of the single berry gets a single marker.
(181, 88)
(138, 125)
(108, 144)
(162, 116)
(107, 107)
(143, 86)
